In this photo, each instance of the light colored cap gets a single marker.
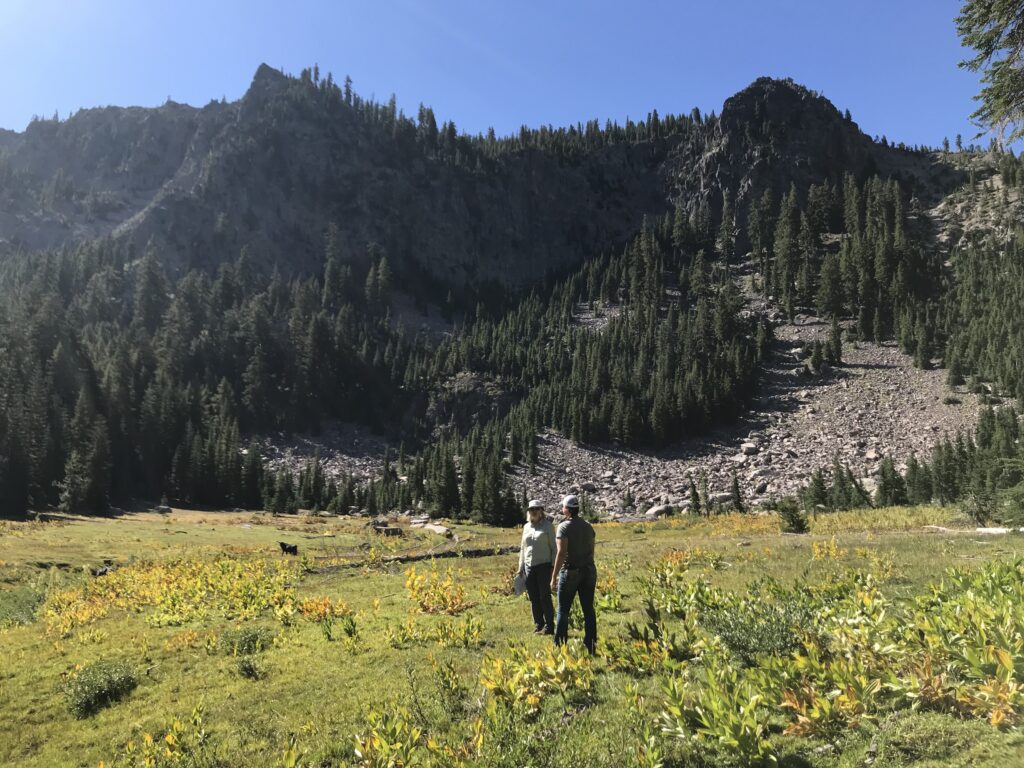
(535, 504)
(571, 502)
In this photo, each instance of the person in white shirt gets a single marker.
(536, 557)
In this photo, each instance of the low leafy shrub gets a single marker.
(436, 593)
(467, 633)
(829, 695)
(179, 744)
(726, 713)
(392, 740)
(246, 641)
(91, 688)
(792, 518)
(521, 682)
(405, 634)
(655, 645)
(607, 596)
(18, 605)
(321, 608)
(762, 624)
(452, 694)
(250, 668)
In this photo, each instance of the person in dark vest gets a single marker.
(575, 573)
(536, 558)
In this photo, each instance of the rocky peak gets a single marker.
(267, 78)
(774, 134)
(779, 104)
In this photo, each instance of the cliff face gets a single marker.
(271, 171)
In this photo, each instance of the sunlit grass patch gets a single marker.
(886, 519)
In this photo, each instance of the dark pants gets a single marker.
(573, 581)
(538, 587)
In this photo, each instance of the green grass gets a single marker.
(318, 692)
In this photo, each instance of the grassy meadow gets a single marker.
(723, 642)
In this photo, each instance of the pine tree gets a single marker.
(830, 299)
(792, 519)
(817, 357)
(842, 494)
(816, 494)
(150, 293)
(371, 289)
(252, 477)
(955, 374)
(682, 235)
(97, 492)
(786, 249)
(737, 499)
(726, 240)
(892, 489)
(834, 349)
(705, 495)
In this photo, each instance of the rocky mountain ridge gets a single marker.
(270, 171)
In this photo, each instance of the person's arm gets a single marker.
(522, 551)
(551, 541)
(559, 561)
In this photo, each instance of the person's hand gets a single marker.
(554, 584)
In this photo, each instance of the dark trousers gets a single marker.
(538, 587)
(572, 582)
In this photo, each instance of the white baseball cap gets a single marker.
(571, 502)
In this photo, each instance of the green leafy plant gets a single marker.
(726, 711)
(246, 641)
(761, 624)
(250, 668)
(791, 517)
(451, 692)
(177, 744)
(91, 688)
(654, 644)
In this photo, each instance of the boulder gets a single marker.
(659, 510)
(750, 448)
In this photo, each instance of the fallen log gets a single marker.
(403, 559)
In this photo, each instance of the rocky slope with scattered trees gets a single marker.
(185, 289)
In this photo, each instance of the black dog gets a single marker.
(289, 549)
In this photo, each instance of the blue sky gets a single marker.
(482, 63)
